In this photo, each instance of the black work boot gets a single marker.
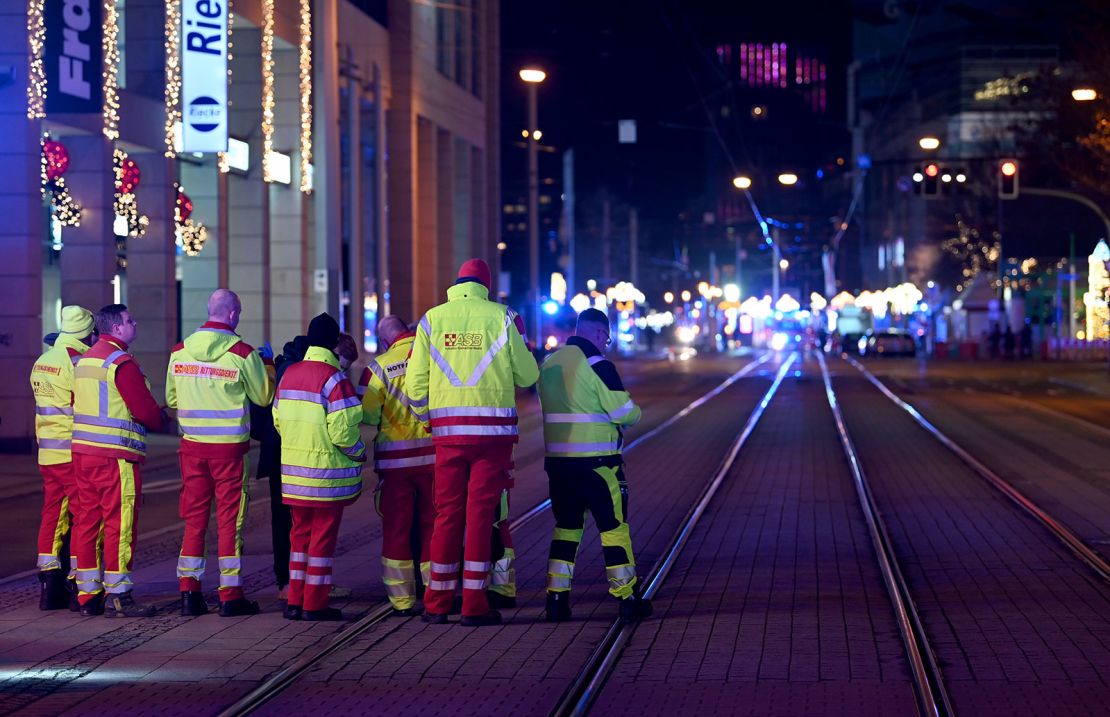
(490, 618)
(405, 611)
(499, 601)
(558, 606)
(434, 618)
(328, 614)
(238, 607)
(74, 591)
(193, 604)
(93, 606)
(54, 594)
(124, 605)
(292, 612)
(635, 608)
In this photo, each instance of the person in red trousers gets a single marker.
(112, 412)
(212, 378)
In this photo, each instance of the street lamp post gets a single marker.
(533, 77)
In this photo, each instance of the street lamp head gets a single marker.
(537, 135)
(1084, 94)
(928, 143)
(784, 264)
(531, 74)
(1008, 168)
(742, 182)
(788, 179)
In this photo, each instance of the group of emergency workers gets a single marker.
(443, 401)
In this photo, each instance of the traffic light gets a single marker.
(1008, 179)
(931, 183)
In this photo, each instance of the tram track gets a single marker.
(587, 685)
(289, 675)
(1060, 531)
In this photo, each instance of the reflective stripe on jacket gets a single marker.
(52, 384)
(102, 423)
(582, 415)
(402, 442)
(466, 362)
(318, 414)
(212, 377)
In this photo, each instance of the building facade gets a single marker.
(362, 168)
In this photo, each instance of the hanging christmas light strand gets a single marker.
(172, 96)
(111, 70)
(222, 161)
(306, 95)
(36, 75)
(267, 88)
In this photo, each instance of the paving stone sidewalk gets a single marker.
(54, 662)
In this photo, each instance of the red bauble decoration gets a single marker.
(128, 176)
(57, 159)
(184, 206)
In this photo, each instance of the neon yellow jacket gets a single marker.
(211, 377)
(402, 441)
(466, 362)
(52, 383)
(317, 414)
(584, 403)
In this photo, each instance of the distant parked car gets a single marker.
(888, 342)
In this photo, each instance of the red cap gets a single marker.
(477, 270)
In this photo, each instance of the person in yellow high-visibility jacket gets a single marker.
(466, 363)
(404, 459)
(318, 415)
(212, 378)
(52, 384)
(585, 406)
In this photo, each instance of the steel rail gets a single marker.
(928, 682)
(1072, 541)
(587, 685)
(287, 676)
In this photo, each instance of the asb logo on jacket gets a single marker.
(462, 341)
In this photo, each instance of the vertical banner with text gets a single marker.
(72, 55)
(204, 112)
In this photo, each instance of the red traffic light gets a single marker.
(1008, 168)
(932, 170)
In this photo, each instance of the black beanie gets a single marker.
(323, 331)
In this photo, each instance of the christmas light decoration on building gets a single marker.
(36, 76)
(223, 163)
(172, 96)
(267, 88)
(306, 95)
(111, 70)
(1095, 299)
(126, 204)
(190, 235)
(53, 162)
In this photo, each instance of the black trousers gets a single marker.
(596, 486)
(281, 522)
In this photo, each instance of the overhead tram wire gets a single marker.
(929, 690)
(273, 686)
(587, 686)
(1072, 541)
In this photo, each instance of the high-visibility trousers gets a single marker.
(203, 479)
(579, 486)
(311, 553)
(502, 575)
(405, 501)
(469, 481)
(108, 496)
(59, 503)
